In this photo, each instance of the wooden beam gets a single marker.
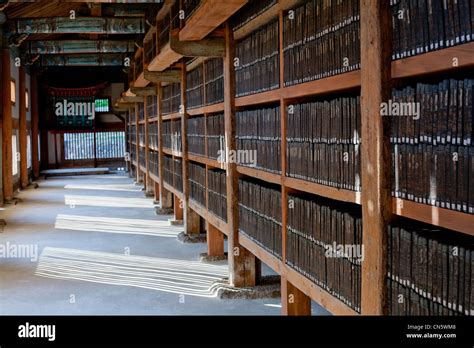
(168, 75)
(24, 181)
(209, 15)
(136, 99)
(34, 125)
(6, 127)
(293, 301)
(143, 91)
(101, 59)
(376, 51)
(210, 47)
(242, 264)
(78, 46)
(80, 25)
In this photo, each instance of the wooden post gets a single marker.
(178, 208)
(137, 145)
(166, 198)
(95, 146)
(215, 241)
(6, 127)
(376, 24)
(192, 221)
(156, 191)
(242, 264)
(24, 181)
(149, 182)
(35, 150)
(293, 301)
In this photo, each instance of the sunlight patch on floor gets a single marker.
(182, 277)
(111, 202)
(117, 225)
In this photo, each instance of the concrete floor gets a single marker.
(102, 250)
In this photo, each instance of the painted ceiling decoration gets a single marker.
(100, 33)
(76, 92)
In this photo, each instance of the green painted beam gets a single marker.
(80, 25)
(78, 46)
(83, 60)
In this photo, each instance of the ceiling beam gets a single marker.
(78, 46)
(136, 99)
(143, 91)
(209, 47)
(80, 25)
(170, 75)
(83, 60)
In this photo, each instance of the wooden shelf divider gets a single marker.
(446, 218)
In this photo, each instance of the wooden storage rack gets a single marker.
(372, 25)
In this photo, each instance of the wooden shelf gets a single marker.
(434, 62)
(302, 185)
(266, 17)
(209, 109)
(173, 190)
(322, 190)
(171, 152)
(260, 174)
(142, 122)
(209, 217)
(207, 17)
(206, 161)
(153, 119)
(450, 219)
(173, 116)
(154, 148)
(142, 168)
(332, 84)
(319, 295)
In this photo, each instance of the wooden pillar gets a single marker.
(376, 24)
(34, 125)
(6, 127)
(242, 264)
(178, 208)
(215, 241)
(24, 181)
(165, 197)
(156, 191)
(137, 146)
(293, 301)
(149, 187)
(192, 221)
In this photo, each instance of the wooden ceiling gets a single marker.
(42, 9)
(32, 14)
